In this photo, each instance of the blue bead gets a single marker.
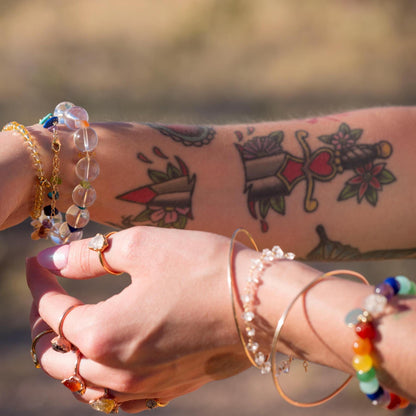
(376, 395)
(394, 284)
(48, 211)
(52, 194)
(74, 230)
(50, 122)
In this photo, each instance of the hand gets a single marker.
(166, 334)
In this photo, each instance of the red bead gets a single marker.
(365, 330)
(395, 401)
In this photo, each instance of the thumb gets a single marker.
(78, 260)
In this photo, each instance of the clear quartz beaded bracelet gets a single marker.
(87, 170)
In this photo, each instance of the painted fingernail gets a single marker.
(54, 258)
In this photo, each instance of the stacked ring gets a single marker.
(60, 343)
(76, 383)
(106, 403)
(100, 244)
(153, 403)
(34, 342)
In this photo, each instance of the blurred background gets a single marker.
(189, 61)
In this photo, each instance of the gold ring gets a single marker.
(60, 343)
(100, 244)
(76, 383)
(106, 403)
(153, 403)
(34, 342)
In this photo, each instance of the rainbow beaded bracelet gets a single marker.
(362, 321)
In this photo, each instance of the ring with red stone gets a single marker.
(34, 342)
(106, 403)
(60, 343)
(76, 383)
(100, 244)
(153, 403)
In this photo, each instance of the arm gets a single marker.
(306, 183)
(181, 309)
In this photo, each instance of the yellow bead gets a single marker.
(362, 363)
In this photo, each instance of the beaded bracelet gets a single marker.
(41, 182)
(87, 170)
(279, 328)
(257, 358)
(361, 320)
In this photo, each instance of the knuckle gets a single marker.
(81, 257)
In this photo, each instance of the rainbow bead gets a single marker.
(362, 361)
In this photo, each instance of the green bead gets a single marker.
(85, 184)
(413, 288)
(405, 285)
(46, 118)
(369, 387)
(366, 375)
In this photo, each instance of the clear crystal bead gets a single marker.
(246, 298)
(253, 346)
(375, 304)
(77, 217)
(84, 196)
(279, 253)
(87, 169)
(290, 256)
(248, 316)
(251, 332)
(259, 358)
(85, 139)
(266, 368)
(75, 116)
(60, 110)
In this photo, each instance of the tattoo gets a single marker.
(271, 173)
(335, 251)
(185, 134)
(167, 198)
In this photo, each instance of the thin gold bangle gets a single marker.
(232, 286)
(278, 330)
(33, 349)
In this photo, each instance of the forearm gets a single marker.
(315, 328)
(224, 183)
(282, 180)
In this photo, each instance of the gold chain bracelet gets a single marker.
(41, 182)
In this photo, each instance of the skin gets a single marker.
(218, 174)
(119, 336)
(215, 170)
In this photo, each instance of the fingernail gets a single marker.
(54, 258)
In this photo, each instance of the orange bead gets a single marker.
(362, 346)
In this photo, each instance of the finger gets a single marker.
(51, 301)
(94, 376)
(135, 406)
(77, 261)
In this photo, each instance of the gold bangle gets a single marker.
(278, 330)
(232, 286)
(34, 342)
